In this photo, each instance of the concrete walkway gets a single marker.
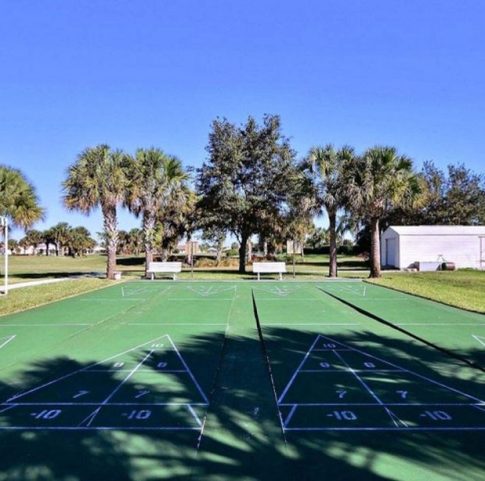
(18, 285)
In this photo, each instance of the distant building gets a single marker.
(404, 246)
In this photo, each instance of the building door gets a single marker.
(391, 252)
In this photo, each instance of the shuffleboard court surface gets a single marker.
(231, 381)
(364, 394)
(113, 384)
(453, 329)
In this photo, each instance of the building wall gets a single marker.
(463, 250)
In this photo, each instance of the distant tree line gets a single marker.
(251, 184)
(74, 241)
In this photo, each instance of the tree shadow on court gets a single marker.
(242, 437)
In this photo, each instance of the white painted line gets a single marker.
(480, 339)
(408, 371)
(81, 370)
(194, 414)
(5, 340)
(182, 360)
(290, 415)
(394, 418)
(84, 404)
(96, 428)
(455, 428)
(290, 383)
(91, 417)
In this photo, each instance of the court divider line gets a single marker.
(217, 375)
(268, 365)
(404, 331)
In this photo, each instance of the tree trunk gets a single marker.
(148, 236)
(220, 248)
(375, 250)
(242, 254)
(110, 227)
(332, 228)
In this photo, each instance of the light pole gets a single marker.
(4, 224)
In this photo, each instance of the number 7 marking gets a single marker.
(80, 393)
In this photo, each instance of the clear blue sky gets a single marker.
(74, 73)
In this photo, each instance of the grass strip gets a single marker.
(29, 297)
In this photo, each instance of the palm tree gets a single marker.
(156, 180)
(326, 169)
(59, 235)
(98, 179)
(32, 239)
(376, 182)
(18, 199)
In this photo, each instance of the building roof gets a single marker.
(438, 229)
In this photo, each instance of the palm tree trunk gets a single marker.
(375, 249)
(111, 229)
(148, 234)
(332, 218)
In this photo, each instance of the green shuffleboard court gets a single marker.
(267, 380)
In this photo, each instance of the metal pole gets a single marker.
(294, 273)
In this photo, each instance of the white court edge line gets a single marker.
(7, 340)
(83, 404)
(310, 324)
(290, 382)
(44, 325)
(82, 369)
(182, 360)
(290, 415)
(418, 404)
(96, 428)
(480, 339)
(408, 428)
(194, 414)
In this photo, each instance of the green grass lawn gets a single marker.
(28, 297)
(463, 288)
(29, 268)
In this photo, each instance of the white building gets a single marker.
(404, 246)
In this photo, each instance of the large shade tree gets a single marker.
(376, 182)
(245, 184)
(325, 168)
(18, 198)
(156, 183)
(98, 180)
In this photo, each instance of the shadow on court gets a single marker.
(242, 438)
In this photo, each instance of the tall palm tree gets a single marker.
(98, 179)
(326, 167)
(18, 199)
(156, 180)
(378, 180)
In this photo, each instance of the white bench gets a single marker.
(269, 268)
(164, 268)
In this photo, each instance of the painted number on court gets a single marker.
(343, 415)
(140, 414)
(437, 415)
(47, 414)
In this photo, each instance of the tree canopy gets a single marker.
(246, 184)
(18, 198)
